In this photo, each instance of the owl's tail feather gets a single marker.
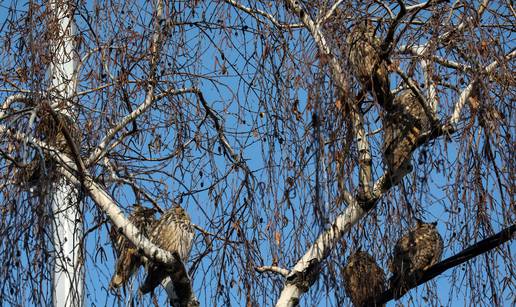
(155, 275)
(396, 284)
(183, 288)
(126, 265)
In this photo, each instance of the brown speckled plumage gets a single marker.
(172, 232)
(414, 253)
(402, 127)
(363, 279)
(129, 260)
(365, 62)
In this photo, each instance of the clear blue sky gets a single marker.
(245, 118)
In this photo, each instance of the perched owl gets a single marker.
(42, 168)
(403, 124)
(414, 253)
(363, 279)
(129, 259)
(52, 131)
(365, 62)
(172, 232)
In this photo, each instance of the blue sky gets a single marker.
(270, 145)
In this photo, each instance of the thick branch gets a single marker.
(364, 154)
(343, 223)
(305, 272)
(437, 269)
(319, 251)
(315, 30)
(329, 239)
(12, 99)
(103, 200)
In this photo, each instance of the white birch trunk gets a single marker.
(68, 279)
(68, 275)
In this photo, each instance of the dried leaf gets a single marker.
(277, 237)
(338, 104)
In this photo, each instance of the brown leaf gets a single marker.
(338, 104)
(277, 237)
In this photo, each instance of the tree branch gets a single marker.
(12, 99)
(273, 269)
(69, 170)
(156, 45)
(317, 252)
(388, 43)
(469, 89)
(453, 261)
(329, 13)
(419, 50)
(100, 151)
(364, 154)
(306, 270)
(335, 68)
(254, 12)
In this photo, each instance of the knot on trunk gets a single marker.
(305, 279)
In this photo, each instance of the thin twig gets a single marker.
(273, 269)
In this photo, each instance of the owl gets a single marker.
(363, 279)
(129, 259)
(365, 62)
(403, 124)
(49, 129)
(414, 253)
(172, 232)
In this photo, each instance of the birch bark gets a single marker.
(68, 275)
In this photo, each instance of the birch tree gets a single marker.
(252, 116)
(68, 275)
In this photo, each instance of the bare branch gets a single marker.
(101, 149)
(467, 254)
(469, 89)
(420, 51)
(292, 291)
(364, 154)
(13, 99)
(230, 153)
(315, 30)
(273, 269)
(329, 13)
(254, 12)
(388, 43)
(103, 200)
